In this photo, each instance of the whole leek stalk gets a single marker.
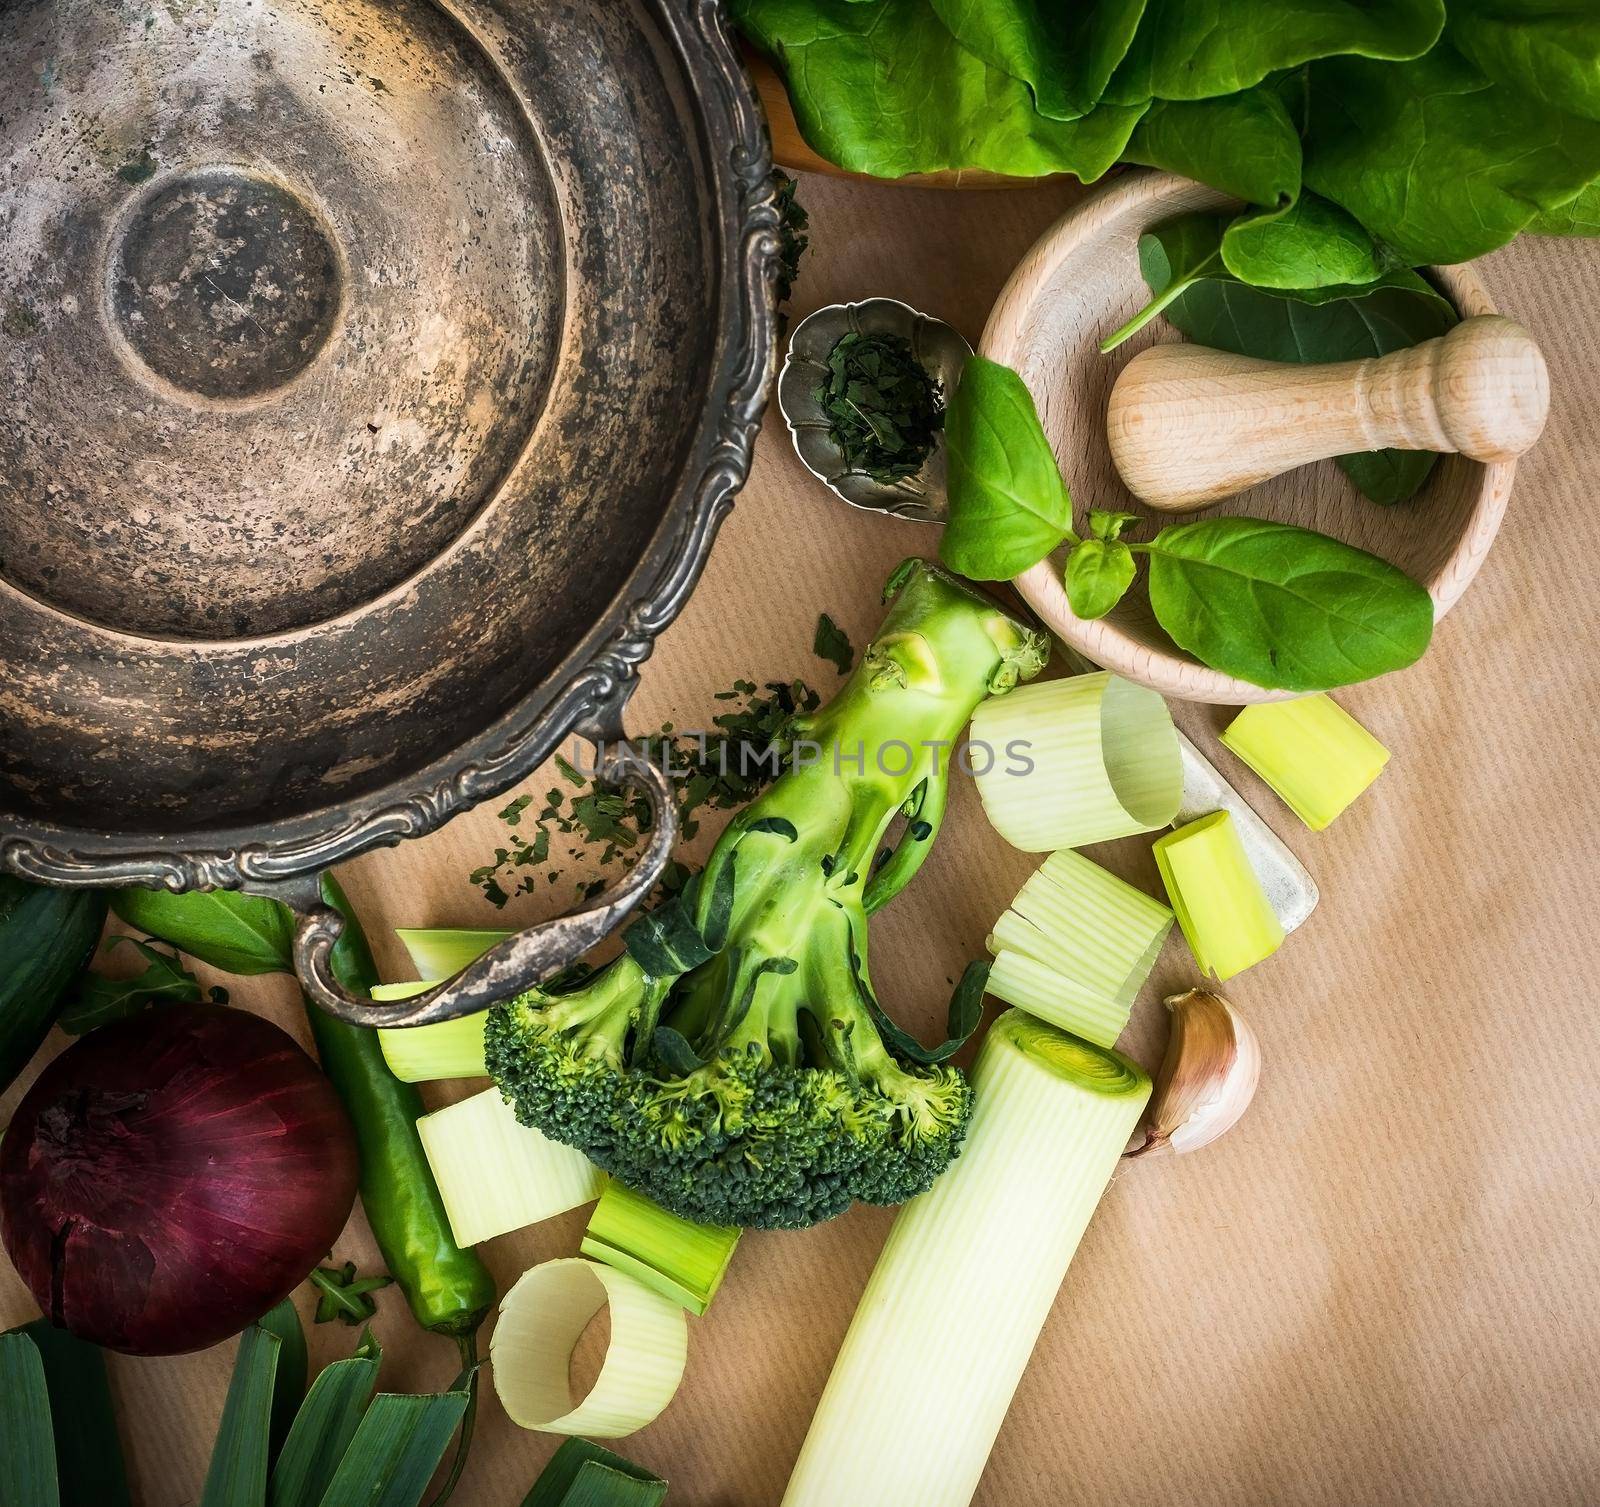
(967, 1276)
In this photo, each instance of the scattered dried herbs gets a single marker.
(792, 237)
(833, 644)
(719, 769)
(883, 408)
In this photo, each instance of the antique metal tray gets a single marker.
(375, 374)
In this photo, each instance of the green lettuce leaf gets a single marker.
(1065, 54)
(1578, 216)
(1549, 49)
(1197, 49)
(1436, 159)
(1242, 144)
(884, 88)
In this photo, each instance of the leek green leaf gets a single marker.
(289, 1380)
(581, 1474)
(396, 1448)
(27, 1447)
(237, 1476)
(324, 1427)
(89, 1463)
(1009, 506)
(242, 934)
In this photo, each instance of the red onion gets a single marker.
(169, 1178)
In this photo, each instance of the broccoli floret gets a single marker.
(733, 1063)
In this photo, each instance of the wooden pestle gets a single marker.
(1189, 426)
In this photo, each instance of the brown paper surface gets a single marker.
(1375, 1290)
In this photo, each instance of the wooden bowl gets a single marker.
(1081, 281)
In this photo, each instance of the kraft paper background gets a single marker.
(1380, 1287)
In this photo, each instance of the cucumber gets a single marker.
(47, 936)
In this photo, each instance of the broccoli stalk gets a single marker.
(734, 1063)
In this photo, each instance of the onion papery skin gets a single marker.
(169, 1178)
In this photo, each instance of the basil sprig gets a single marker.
(1280, 606)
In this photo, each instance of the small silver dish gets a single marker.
(942, 353)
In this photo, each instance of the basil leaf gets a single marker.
(243, 934)
(1009, 506)
(1107, 525)
(1099, 573)
(1283, 607)
(1173, 257)
(1308, 244)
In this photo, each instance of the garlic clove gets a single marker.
(1208, 1076)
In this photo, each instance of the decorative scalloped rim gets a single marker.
(606, 667)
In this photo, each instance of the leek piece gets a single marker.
(324, 1427)
(541, 1321)
(1225, 914)
(89, 1466)
(495, 1174)
(27, 1445)
(1312, 752)
(425, 1054)
(676, 1257)
(241, 1456)
(442, 953)
(584, 1474)
(396, 1449)
(1104, 755)
(453, 1048)
(1076, 946)
(968, 1274)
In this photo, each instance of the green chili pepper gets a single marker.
(449, 1289)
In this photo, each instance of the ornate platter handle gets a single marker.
(516, 964)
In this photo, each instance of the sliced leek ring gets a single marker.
(541, 1321)
(1228, 921)
(1076, 946)
(496, 1174)
(1312, 752)
(1071, 762)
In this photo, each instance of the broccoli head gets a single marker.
(733, 1063)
